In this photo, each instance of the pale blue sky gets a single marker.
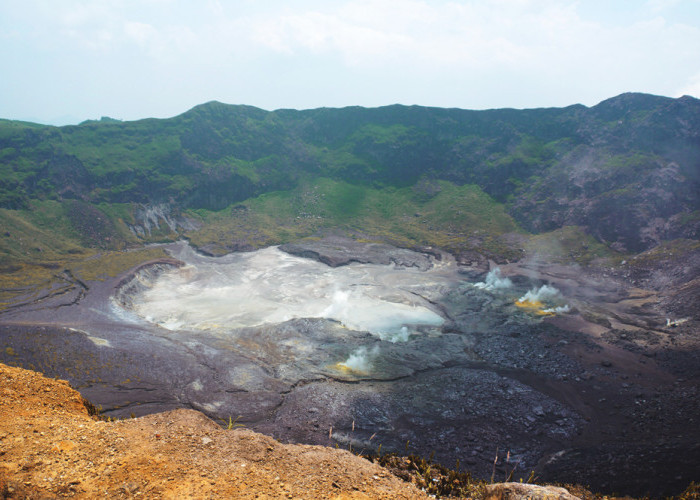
(64, 61)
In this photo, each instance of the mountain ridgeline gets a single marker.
(626, 170)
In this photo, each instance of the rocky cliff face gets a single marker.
(632, 180)
(632, 211)
(149, 218)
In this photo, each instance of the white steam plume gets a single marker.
(494, 281)
(394, 337)
(361, 359)
(558, 310)
(546, 294)
(382, 318)
(541, 294)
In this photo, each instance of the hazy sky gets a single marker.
(64, 61)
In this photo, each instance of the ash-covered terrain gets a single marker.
(572, 373)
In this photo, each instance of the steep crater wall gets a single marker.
(141, 279)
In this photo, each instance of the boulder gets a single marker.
(521, 491)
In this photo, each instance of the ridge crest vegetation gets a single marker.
(229, 177)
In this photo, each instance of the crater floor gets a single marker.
(339, 342)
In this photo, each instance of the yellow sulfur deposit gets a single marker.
(534, 306)
(343, 368)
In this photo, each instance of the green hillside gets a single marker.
(233, 177)
(438, 213)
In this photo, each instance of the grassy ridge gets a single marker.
(216, 154)
(42, 232)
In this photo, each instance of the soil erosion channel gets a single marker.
(360, 345)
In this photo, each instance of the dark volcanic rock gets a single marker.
(462, 413)
(336, 251)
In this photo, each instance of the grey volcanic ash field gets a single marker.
(339, 342)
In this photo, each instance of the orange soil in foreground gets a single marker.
(50, 447)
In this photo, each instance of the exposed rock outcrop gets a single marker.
(520, 491)
(149, 217)
(336, 251)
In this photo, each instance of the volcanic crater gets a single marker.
(570, 373)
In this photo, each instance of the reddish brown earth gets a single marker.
(50, 447)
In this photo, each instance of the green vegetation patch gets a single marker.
(41, 233)
(110, 264)
(448, 217)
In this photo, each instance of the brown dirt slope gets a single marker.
(50, 447)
